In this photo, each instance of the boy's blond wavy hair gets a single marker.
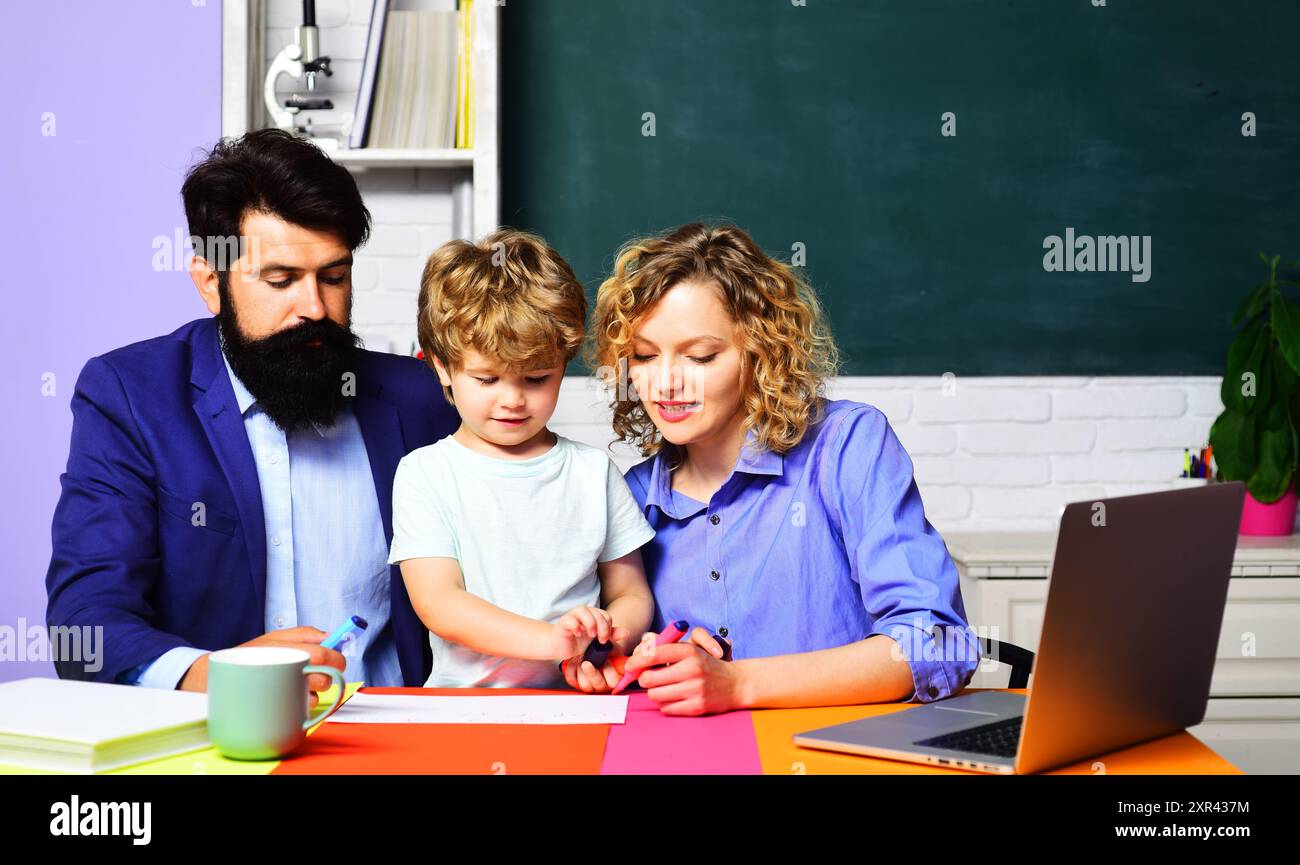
(510, 297)
(787, 345)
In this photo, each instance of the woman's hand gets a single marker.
(696, 681)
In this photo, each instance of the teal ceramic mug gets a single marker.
(258, 703)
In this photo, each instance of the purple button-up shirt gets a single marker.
(818, 548)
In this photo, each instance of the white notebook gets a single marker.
(62, 725)
(363, 708)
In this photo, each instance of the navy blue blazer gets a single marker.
(155, 428)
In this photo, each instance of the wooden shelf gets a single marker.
(404, 158)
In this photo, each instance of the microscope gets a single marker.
(301, 59)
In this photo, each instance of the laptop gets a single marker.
(1134, 606)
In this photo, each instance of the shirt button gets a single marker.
(275, 539)
(273, 459)
(722, 632)
(713, 575)
(279, 621)
(715, 519)
(933, 692)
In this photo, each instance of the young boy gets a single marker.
(518, 547)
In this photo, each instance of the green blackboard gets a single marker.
(822, 125)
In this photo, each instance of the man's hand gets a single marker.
(303, 637)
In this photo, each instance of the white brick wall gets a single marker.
(412, 215)
(1004, 453)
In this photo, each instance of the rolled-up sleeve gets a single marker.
(907, 580)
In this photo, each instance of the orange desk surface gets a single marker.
(1177, 754)
(400, 749)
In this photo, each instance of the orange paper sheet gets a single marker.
(449, 749)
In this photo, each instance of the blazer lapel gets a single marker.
(218, 412)
(381, 429)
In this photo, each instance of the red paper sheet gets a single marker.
(449, 749)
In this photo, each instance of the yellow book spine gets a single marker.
(462, 77)
(469, 73)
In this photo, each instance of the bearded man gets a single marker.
(231, 483)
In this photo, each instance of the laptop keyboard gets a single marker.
(998, 739)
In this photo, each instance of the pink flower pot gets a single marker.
(1277, 518)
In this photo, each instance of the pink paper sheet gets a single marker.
(651, 743)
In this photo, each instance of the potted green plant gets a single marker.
(1255, 438)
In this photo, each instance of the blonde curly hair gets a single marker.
(787, 347)
(510, 297)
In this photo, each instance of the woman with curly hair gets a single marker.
(789, 529)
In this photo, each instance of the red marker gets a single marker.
(671, 634)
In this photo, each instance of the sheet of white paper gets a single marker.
(365, 708)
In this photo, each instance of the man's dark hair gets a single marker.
(272, 171)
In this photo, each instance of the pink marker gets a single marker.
(671, 634)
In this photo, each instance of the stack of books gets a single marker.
(417, 79)
(57, 725)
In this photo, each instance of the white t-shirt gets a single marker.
(526, 533)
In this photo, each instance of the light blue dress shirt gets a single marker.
(820, 547)
(326, 554)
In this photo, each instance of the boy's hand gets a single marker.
(572, 632)
(583, 675)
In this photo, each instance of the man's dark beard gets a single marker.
(295, 384)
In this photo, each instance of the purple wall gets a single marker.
(135, 89)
